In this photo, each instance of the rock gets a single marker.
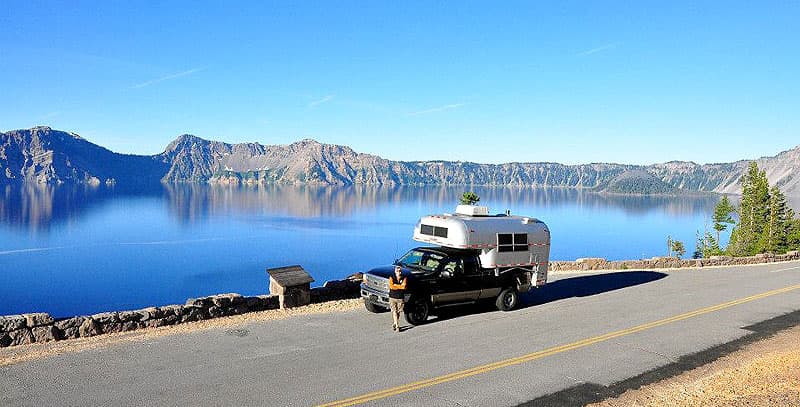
(216, 312)
(69, 323)
(253, 303)
(38, 319)
(172, 310)
(21, 337)
(11, 323)
(168, 320)
(70, 333)
(149, 313)
(226, 300)
(204, 302)
(46, 333)
(89, 328)
(129, 326)
(793, 253)
(112, 327)
(191, 314)
(5, 340)
(270, 301)
(106, 318)
(240, 309)
(129, 316)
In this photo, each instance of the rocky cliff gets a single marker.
(45, 156)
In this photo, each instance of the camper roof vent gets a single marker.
(472, 210)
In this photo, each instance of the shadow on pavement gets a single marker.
(585, 286)
(580, 286)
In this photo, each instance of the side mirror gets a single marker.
(445, 274)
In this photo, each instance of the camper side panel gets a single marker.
(442, 230)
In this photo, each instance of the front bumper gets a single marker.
(375, 296)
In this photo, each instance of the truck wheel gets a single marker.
(507, 300)
(372, 307)
(417, 311)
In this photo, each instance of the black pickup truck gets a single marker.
(441, 277)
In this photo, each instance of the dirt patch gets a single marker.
(232, 324)
(765, 373)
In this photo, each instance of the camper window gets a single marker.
(507, 242)
(429, 230)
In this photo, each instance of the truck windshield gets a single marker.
(419, 260)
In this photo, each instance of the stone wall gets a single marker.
(40, 327)
(597, 263)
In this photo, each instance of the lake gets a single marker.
(76, 250)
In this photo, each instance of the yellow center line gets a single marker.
(546, 352)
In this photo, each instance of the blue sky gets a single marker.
(571, 82)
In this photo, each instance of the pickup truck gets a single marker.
(441, 277)
(476, 257)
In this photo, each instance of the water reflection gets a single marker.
(39, 208)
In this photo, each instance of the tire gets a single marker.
(417, 311)
(507, 300)
(372, 307)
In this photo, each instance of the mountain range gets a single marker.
(42, 155)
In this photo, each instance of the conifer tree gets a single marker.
(779, 222)
(722, 215)
(469, 198)
(747, 238)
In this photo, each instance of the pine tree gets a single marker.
(747, 238)
(469, 198)
(722, 215)
(678, 248)
(779, 222)
(793, 238)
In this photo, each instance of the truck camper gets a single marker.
(474, 256)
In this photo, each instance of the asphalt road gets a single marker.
(581, 333)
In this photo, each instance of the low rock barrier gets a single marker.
(40, 327)
(597, 263)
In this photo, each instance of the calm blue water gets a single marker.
(71, 251)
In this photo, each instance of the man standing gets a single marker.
(397, 290)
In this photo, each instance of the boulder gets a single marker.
(38, 319)
(111, 327)
(216, 312)
(69, 323)
(106, 318)
(129, 316)
(46, 333)
(89, 328)
(70, 333)
(172, 310)
(5, 340)
(204, 302)
(192, 313)
(227, 300)
(149, 313)
(11, 323)
(129, 326)
(21, 337)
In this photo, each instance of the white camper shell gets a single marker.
(505, 242)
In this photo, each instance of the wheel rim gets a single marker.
(508, 300)
(420, 311)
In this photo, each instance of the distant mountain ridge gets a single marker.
(46, 156)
